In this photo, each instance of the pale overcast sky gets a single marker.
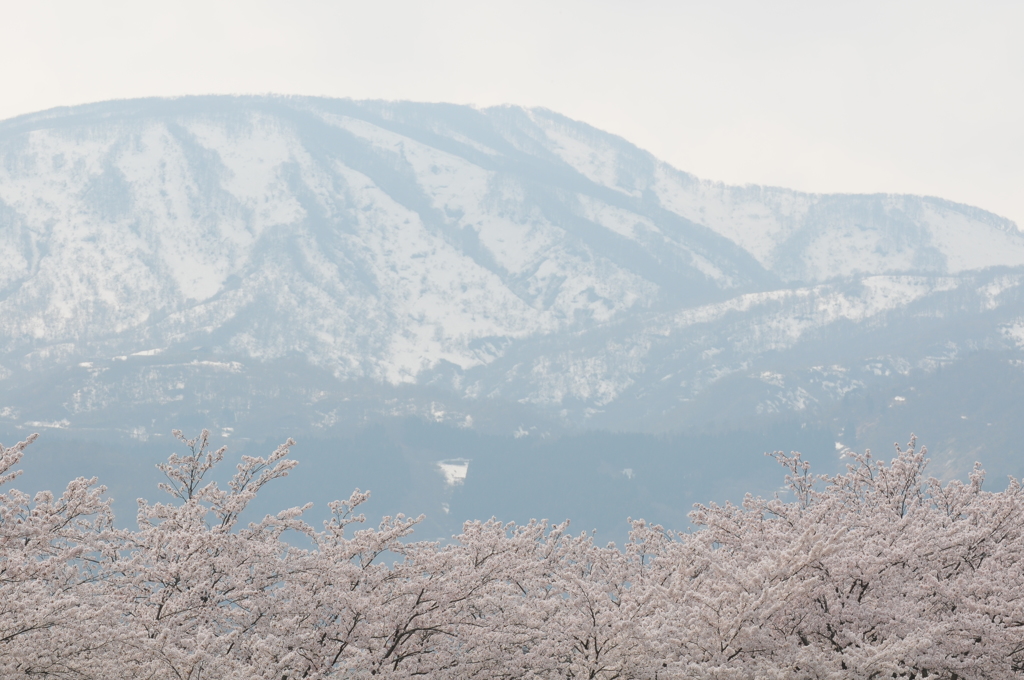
(857, 96)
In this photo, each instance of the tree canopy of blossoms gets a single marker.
(876, 572)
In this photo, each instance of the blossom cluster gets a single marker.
(875, 572)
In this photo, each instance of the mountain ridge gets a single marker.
(489, 260)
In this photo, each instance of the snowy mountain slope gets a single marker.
(316, 263)
(816, 238)
(799, 237)
(637, 375)
(402, 254)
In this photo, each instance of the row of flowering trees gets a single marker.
(878, 572)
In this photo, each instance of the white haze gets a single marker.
(915, 97)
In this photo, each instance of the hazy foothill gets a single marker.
(490, 313)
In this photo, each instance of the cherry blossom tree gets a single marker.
(52, 556)
(877, 572)
(194, 589)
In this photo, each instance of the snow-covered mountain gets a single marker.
(266, 264)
